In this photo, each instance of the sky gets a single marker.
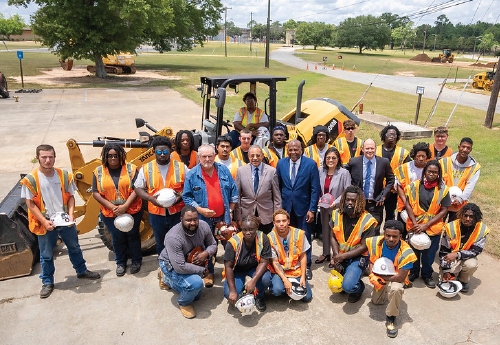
(335, 11)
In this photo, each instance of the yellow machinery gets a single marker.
(483, 80)
(446, 56)
(124, 63)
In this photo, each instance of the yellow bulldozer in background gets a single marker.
(484, 80)
(123, 63)
(446, 56)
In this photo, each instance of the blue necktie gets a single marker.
(256, 180)
(366, 184)
(294, 173)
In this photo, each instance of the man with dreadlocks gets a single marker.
(462, 242)
(351, 226)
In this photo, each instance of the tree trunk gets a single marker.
(100, 72)
(490, 113)
(360, 50)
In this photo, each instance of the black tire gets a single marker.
(4, 92)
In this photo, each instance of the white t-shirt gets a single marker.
(322, 154)
(238, 117)
(227, 162)
(414, 172)
(305, 244)
(51, 190)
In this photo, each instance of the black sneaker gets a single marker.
(390, 325)
(309, 274)
(46, 290)
(135, 268)
(89, 275)
(353, 297)
(465, 287)
(260, 304)
(120, 270)
(412, 277)
(429, 282)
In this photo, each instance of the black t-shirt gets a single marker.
(247, 260)
(115, 176)
(465, 234)
(439, 154)
(185, 159)
(390, 153)
(349, 224)
(426, 195)
(245, 156)
(353, 146)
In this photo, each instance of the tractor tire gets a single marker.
(4, 92)
(148, 243)
(474, 85)
(450, 60)
(487, 86)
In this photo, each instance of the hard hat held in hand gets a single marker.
(224, 232)
(61, 219)
(456, 194)
(246, 304)
(404, 216)
(298, 292)
(449, 288)
(384, 266)
(166, 197)
(420, 241)
(124, 222)
(335, 282)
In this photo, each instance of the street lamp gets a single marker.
(474, 51)
(268, 32)
(434, 42)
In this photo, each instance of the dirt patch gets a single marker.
(80, 76)
(406, 74)
(421, 57)
(488, 65)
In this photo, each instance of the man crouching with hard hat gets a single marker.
(289, 246)
(390, 261)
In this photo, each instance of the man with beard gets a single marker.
(178, 274)
(278, 145)
(319, 145)
(351, 226)
(224, 147)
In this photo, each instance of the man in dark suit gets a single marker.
(298, 178)
(369, 172)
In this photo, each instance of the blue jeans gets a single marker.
(352, 282)
(239, 281)
(48, 242)
(212, 222)
(125, 244)
(300, 222)
(426, 258)
(161, 225)
(278, 288)
(189, 286)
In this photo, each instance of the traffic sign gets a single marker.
(20, 54)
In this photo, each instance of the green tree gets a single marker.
(11, 26)
(277, 32)
(487, 42)
(91, 29)
(290, 24)
(232, 30)
(403, 34)
(363, 32)
(315, 34)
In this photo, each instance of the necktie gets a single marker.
(256, 180)
(294, 173)
(366, 184)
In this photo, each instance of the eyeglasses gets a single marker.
(350, 128)
(334, 158)
(159, 152)
(285, 245)
(112, 155)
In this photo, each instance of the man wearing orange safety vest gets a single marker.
(397, 155)
(351, 226)
(438, 148)
(49, 191)
(154, 176)
(277, 146)
(223, 147)
(289, 247)
(463, 171)
(250, 117)
(241, 152)
(349, 146)
(390, 287)
(319, 146)
(462, 242)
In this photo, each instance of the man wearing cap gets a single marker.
(349, 145)
(48, 191)
(224, 148)
(390, 287)
(319, 145)
(249, 117)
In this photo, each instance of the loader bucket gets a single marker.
(18, 246)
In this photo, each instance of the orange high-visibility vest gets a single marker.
(32, 182)
(448, 152)
(453, 231)
(174, 180)
(447, 167)
(237, 241)
(422, 216)
(404, 256)
(256, 116)
(398, 158)
(363, 224)
(237, 154)
(403, 175)
(275, 155)
(107, 189)
(312, 152)
(343, 146)
(193, 158)
(235, 164)
(290, 263)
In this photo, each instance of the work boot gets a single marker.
(89, 275)
(46, 290)
(353, 297)
(187, 311)
(309, 274)
(260, 304)
(209, 280)
(163, 285)
(120, 270)
(135, 268)
(412, 277)
(465, 287)
(390, 325)
(429, 282)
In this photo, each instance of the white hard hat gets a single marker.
(61, 219)
(449, 288)
(456, 194)
(404, 216)
(124, 222)
(246, 304)
(298, 292)
(420, 241)
(384, 266)
(166, 197)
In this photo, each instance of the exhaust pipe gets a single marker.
(298, 110)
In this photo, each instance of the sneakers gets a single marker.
(412, 277)
(120, 270)
(135, 268)
(209, 280)
(46, 290)
(465, 287)
(163, 285)
(429, 282)
(390, 325)
(187, 311)
(309, 274)
(260, 304)
(89, 275)
(353, 297)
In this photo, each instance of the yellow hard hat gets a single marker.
(335, 282)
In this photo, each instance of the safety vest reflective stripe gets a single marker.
(404, 256)
(313, 153)
(343, 148)
(234, 167)
(32, 185)
(257, 115)
(236, 153)
(398, 158)
(448, 152)
(447, 166)
(237, 240)
(129, 167)
(364, 222)
(454, 233)
(290, 262)
(403, 174)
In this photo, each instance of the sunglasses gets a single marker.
(112, 155)
(285, 244)
(350, 128)
(279, 127)
(159, 152)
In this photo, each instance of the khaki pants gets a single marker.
(394, 291)
(463, 269)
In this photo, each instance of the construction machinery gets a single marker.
(484, 80)
(123, 63)
(4, 91)
(446, 56)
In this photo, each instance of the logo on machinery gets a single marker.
(146, 156)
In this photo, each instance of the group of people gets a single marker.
(274, 194)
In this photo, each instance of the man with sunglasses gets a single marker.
(349, 146)
(153, 177)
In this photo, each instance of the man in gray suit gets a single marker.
(259, 191)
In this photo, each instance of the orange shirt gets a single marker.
(214, 194)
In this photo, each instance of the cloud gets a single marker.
(8, 11)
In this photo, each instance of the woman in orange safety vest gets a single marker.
(184, 149)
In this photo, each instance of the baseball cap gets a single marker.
(326, 201)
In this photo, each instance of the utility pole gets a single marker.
(425, 36)
(268, 31)
(490, 113)
(251, 22)
(225, 29)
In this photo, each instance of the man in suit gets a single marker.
(298, 178)
(368, 172)
(258, 187)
